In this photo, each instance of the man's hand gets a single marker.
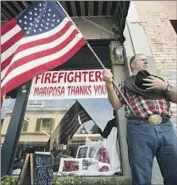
(155, 83)
(112, 96)
(107, 76)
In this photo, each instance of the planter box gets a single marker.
(11, 180)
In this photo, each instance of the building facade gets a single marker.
(147, 30)
(100, 23)
(38, 125)
(160, 27)
(41, 127)
(150, 29)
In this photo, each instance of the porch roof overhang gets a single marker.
(119, 9)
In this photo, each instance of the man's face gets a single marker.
(141, 63)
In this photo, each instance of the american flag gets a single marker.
(72, 120)
(39, 39)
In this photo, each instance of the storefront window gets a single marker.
(72, 127)
(67, 114)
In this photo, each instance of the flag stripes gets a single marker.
(25, 56)
(70, 123)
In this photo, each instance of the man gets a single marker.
(149, 132)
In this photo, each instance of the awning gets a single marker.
(11, 9)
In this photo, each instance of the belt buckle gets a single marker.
(155, 119)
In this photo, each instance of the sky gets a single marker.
(99, 109)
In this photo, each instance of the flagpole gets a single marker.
(96, 56)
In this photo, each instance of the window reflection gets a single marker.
(44, 125)
(77, 143)
(6, 111)
(82, 152)
(25, 124)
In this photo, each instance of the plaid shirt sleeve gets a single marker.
(121, 87)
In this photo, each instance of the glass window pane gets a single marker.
(81, 134)
(6, 112)
(25, 125)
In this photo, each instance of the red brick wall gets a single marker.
(155, 18)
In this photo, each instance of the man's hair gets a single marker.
(134, 58)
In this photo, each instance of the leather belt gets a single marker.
(154, 119)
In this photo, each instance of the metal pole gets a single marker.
(14, 130)
(113, 80)
(97, 25)
(100, 62)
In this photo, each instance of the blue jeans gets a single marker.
(145, 141)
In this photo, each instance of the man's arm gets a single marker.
(112, 96)
(172, 93)
(158, 84)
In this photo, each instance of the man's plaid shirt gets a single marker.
(142, 107)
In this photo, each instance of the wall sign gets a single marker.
(68, 85)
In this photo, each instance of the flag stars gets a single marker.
(40, 19)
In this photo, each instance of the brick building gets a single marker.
(153, 29)
(159, 20)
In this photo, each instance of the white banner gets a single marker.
(68, 85)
